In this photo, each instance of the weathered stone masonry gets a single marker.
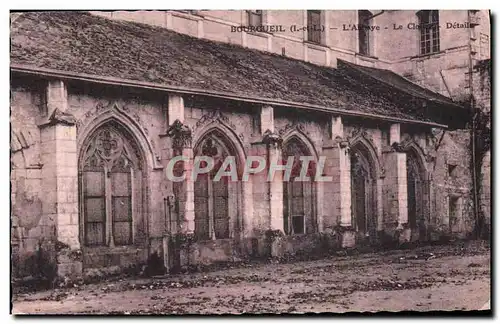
(393, 181)
(73, 113)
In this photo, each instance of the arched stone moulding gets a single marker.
(120, 116)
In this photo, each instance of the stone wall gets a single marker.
(454, 182)
(482, 95)
(33, 232)
(485, 188)
(51, 120)
(45, 176)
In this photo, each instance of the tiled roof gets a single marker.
(396, 81)
(79, 42)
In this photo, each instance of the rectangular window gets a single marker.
(254, 18)
(314, 26)
(451, 169)
(453, 210)
(429, 31)
(42, 104)
(364, 17)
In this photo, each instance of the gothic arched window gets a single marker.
(110, 178)
(215, 201)
(362, 193)
(298, 201)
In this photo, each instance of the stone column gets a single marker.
(275, 188)
(275, 233)
(181, 139)
(189, 190)
(257, 220)
(274, 183)
(395, 188)
(181, 145)
(337, 194)
(60, 178)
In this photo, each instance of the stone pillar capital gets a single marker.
(272, 139)
(181, 135)
(343, 143)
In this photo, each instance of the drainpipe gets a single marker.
(473, 133)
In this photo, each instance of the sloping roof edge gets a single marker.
(45, 72)
(361, 69)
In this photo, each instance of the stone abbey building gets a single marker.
(100, 105)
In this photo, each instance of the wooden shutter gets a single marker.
(297, 207)
(121, 204)
(220, 208)
(201, 218)
(94, 207)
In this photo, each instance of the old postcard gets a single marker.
(250, 161)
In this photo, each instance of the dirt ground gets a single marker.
(453, 277)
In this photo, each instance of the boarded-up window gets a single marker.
(201, 211)
(297, 207)
(94, 207)
(220, 197)
(121, 199)
(109, 178)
